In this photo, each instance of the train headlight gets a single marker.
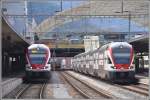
(29, 67)
(131, 67)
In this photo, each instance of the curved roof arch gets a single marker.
(137, 8)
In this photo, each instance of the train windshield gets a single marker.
(37, 58)
(121, 55)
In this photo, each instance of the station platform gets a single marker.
(11, 81)
(10, 84)
(13, 75)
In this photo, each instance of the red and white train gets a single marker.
(113, 61)
(38, 56)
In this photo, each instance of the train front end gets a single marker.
(38, 56)
(122, 67)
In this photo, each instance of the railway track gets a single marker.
(142, 86)
(31, 91)
(139, 88)
(142, 89)
(86, 90)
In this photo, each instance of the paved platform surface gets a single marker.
(9, 84)
(11, 81)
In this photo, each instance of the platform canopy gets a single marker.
(12, 42)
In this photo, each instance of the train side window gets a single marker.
(108, 60)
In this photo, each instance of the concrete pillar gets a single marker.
(136, 64)
(9, 67)
(22, 62)
(141, 63)
(17, 62)
(3, 64)
(13, 64)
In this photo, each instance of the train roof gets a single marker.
(38, 46)
(118, 43)
(112, 44)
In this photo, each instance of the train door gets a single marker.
(84, 63)
(101, 64)
(77, 63)
(81, 64)
(91, 64)
(96, 66)
(87, 63)
(105, 64)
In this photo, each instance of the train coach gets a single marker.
(113, 61)
(38, 56)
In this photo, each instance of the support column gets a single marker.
(9, 67)
(22, 63)
(17, 63)
(12, 64)
(136, 64)
(141, 63)
(3, 64)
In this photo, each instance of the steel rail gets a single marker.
(22, 91)
(103, 93)
(42, 91)
(77, 88)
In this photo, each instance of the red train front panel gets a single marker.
(38, 57)
(121, 61)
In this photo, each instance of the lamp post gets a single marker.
(129, 18)
(61, 6)
(122, 6)
(129, 25)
